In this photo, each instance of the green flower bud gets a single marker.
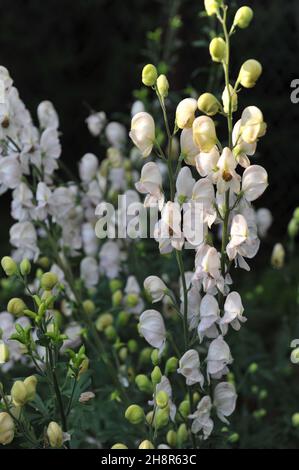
(132, 300)
(295, 420)
(115, 284)
(250, 72)
(9, 266)
(145, 355)
(16, 307)
(263, 394)
(25, 267)
(19, 393)
(43, 262)
(171, 365)
(89, 307)
(55, 435)
(253, 368)
(103, 321)
(296, 214)
(182, 434)
(123, 354)
(259, 414)
(162, 399)
(243, 17)
(196, 398)
(278, 256)
(119, 445)
(218, 49)
(117, 298)
(171, 438)
(132, 346)
(146, 445)
(144, 384)
(293, 228)
(30, 384)
(110, 333)
(7, 428)
(49, 280)
(212, 6)
(161, 418)
(149, 417)
(162, 86)
(135, 414)
(233, 438)
(4, 353)
(184, 408)
(155, 357)
(149, 75)
(208, 104)
(156, 375)
(123, 319)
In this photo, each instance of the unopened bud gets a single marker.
(217, 49)
(19, 393)
(119, 445)
(161, 418)
(103, 321)
(132, 346)
(110, 333)
(171, 365)
(233, 438)
(49, 280)
(184, 408)
(182, 434)
(88, 307)
(4, 353)
(253, 368)
(135, 414)
(117, 298)
(243, 17)
(146, 445)
(16, 307)
(212, 6)
(9, 266)
(278, 256)
(207, 103)
(123, 319)
(156, 375)
(7, 428)
(293, 228)
(250, 72)
(55, 435)
(144, 384)
(171, 438)
(230, 97)
(149, 75)
(30, 384)
(162, 85)
(162, 399)
(295, 420)
(155, 357)
(25, 267)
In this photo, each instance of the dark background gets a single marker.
(92, 51)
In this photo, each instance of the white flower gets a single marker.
(43, 195)
(116, 134)
(51, 150)
(110, 259)
(185, 113)
(225, 398)
(89, 272)
(165, 386)
(206, 163)
(155, 287)
(189, 367)
(73, 333)
(184, 185)
(204, 133)
(188, 148)
(209, 316)
(89, 239)
(207, 264)
(219, 357)
(233, 310)
(226, 176)
(254, 182)
(201, 418)
(241, 148)
(151, 326)
(96, 122)
(47, 115)
(252, 125)
(23, 237)
(132, 288)
(203, 192)
(88, 167)
(143, 132)
(10, 173)
(150, 183)
(61, 203)
(264, 221)
(168, 230)
(22, 203)
(243, 241)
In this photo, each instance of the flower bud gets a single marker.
(88, 307)
(234, 438)
(135, 414)
(44, 262)
(110, 333)
(145, 355)
(132, 300)
(55, 435)
(233, 97)
(184, 408)
(149, 75)
(253, 368)
(115, 284)
(19, 393)
(293, 228)
(119, 445)
(217, 49)
(146, 445)
(278, 256)
(295, 420)
(123, 354)
(49, 280)
(25, 267)
(149, 417)
(296, 214)
(171, 438)
(162, 399)
(212, 6)
(117, 298)
(171, 365)
(207, 103)
(161, 418)
(204, 133)
(182, 434)
(243, 17)
(143, 132)
(4, 353)
(9, 266)
(155, 357)
(185, 113)
(84, 366)
(123, 319)
(250, 72)
(156, 375)
(132, 346)
(16, 307)
(103, 321)
(7, 428)
(30, 384)
(162, 85)
(144, 384)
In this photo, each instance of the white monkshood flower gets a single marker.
(143, 133)
(137, 107)
(264, 219)
(194, 299)
(110, 259)
(47, 115)
(209, 316)
(89, 239)
(23, 236)
(73, 332)
(185, 113)
(184, 185)
(254, 182)
(252, 125)
(233, 313)
(10, 173)
(189, 367)
(206, 163)
(168, 230)
(150, 183)
(241, 149)
(89, 272)
(243, 243)
(43, 195)
(203, 192)
(51, 150)
(201, 418)
(188, 148)
(152, 328)
(155, 287)
(6, 78)
(88, 167)
(204, 133)
(116, 134)
(225, 398)
(226, 176)
(133, 301)
(207, 269)
(96, 123)
(218, 358)
(165, 386)
(62, 202)
(22, 204)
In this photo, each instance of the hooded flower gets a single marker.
(47, 115)
(254, 182)
(188, 148)
(243, 241)
(155, 287)
(185, 113)
(96, 123)
(151, 326)
(233, 310)
(23, 236)
(150, 183)
(207, 269)
(209, 316)
(201, 418)
(189, 367)
(226, 176)
(168, 230)
(143, 132)
(206, 163)
(225, 398)
(116, 134)
(219, 357)
(88, 167)
(184, 185)
(204, 133)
